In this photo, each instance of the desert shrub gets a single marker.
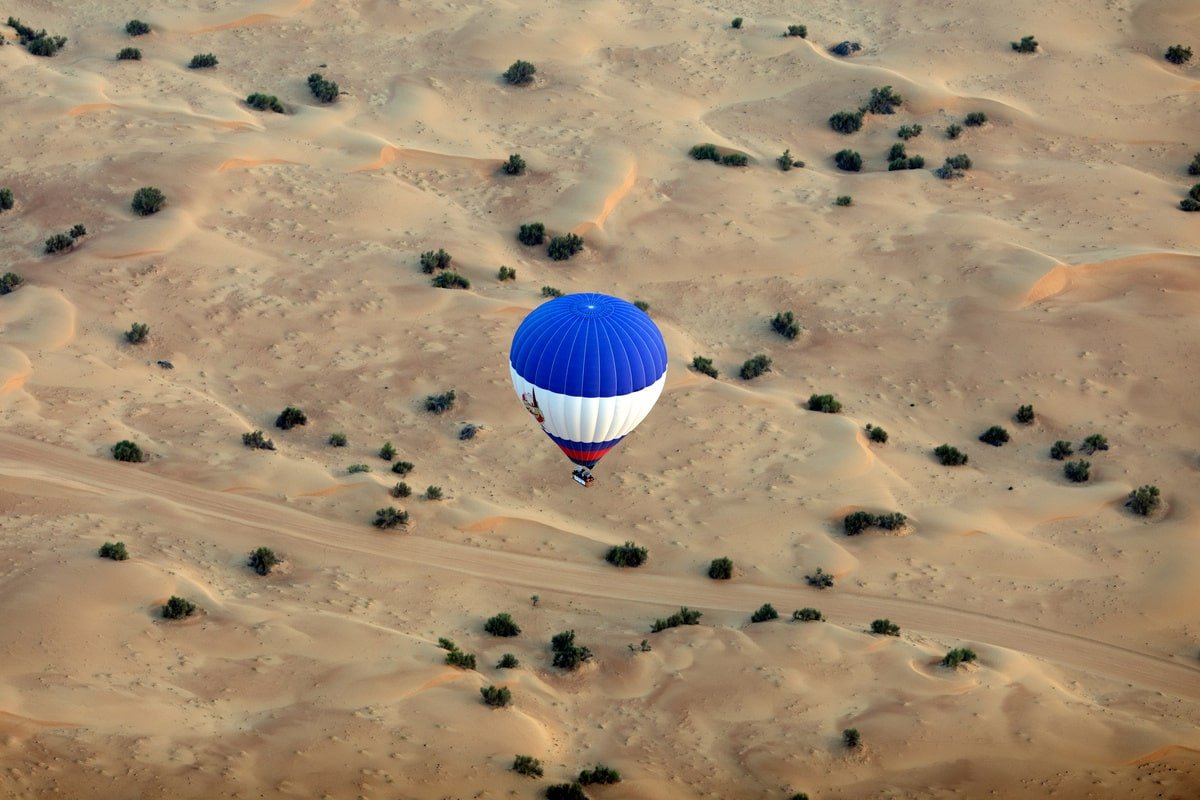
(736, 24)
(1060, 450)
(387, 452)
(846, 121)
(1077, 471)
(508, 661)
(433, 492)
(9, 282)
(797, 30)
(845, 48)
(995, 436)
(954, 131)
(59, 242)
(1093, 443)
(440, 403)
(563, 247)
(446, 644)
(515, 165)
(256, 440)
(114, 550)
(735, 159)
(897, 152)
(764, 613)
(856, 522)
(1144, 500)
(390, 517)
(567, 654)
(893, 521)
(960, 161)
(38, 43)
(431, 261)
(506, 274)
(1178, 54)
(1027, 45)
(1193, 169)
(884, 100)
(263, 560)
(355, 469)
(819, 579)
(338, 440)
(721, 569)
(600, 773)
(496, 696)
(129, 54)
(565, 791)
(844, 200)
(916, 162)
(642, 306)
(468, 432)
(848, 160)
(947, 171)
(401, 490)
(77, 231)
(959, 655)
(825, 403)
(178, 608)
(876, 434)
(457, 658)
(450, 280)
(6, 195)
(527, 765)
(705, 152)
(126, 450)
(807, 615)
(533, 233)
(1024, 415)
(885, 627)
(1188, 204)
(135, 27)
(148, 200)
(907, 132)
(265, 102)
(799, 796)
(502, 625)
(756, 366)
(138, 332)
(550, 291)
(520, 73)
(975, 119)
(684, 616)
(949, 455)
(402, 467)
(202, 61)
(784, 323)
(852, 738)
(325, 91)
(786, 162)
(626, 555)
(704, 366)
(290, 417)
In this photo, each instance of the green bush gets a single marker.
(114, 550)
(390, 517)
(1188, 204)
(457, 658)
(129, 54)
(520, 73)
(1060, 450)
(756, 366)
(786, 162)
(468, 432)
(508, 661)
(897, 152)
(440, 403)
(960, 161)
(450, 280)
(63, 241)
(684, 616)
(1093, 443)
(705, 152)
(601, 774)
(975, 119)
(563, 247)
(337, 440)
(876, 434)
(1077, 471)
(764, 613)
(891, 522)
(567, 654)
(704, 366)
(533, 233)
(148, 200)
(126, 450)
(856, 522)
(325, 91)
(845, 48)
(446, 644)
(402, 467)
(38, 43)
(807, 615)
(550, 291)
(819, 579)
(626, 555)
(825, 403)
(401, 490)
(6, 196)
(907, 132)
(256, 440)
(506, 274)
(433, 492)
(846, 122)
(1193, 169)
(263, 560)
(736, 24)
(502, 625)
(1178, 54)
(851, 738)
(1025, 415)
(178, 608)
(565, 791)
(995, 436)
(527, 765)
(290, 417)
(202, 61)
(885, 627)
(721, 569)
(950, 456)
(844, 200)
(959, 655)
(355, 469)
(265, 102)
(1144, 500)
(784, 323)
(497, 697)
(848, 160)
(1027, 45)
(797, 30)
(642, 306)
(514, 166)
(387, 452)
(735, 159)
(135, 27)
(884, 100)
(954, 131)
(138, 332)
(916, 162)
(431, 261)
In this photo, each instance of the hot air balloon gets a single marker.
(588, 367)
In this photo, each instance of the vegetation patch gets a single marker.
(126, 450)
(626, 555)
(434, 260)
(797, 30)
(6, 195)
(1144, 500)
(178, 607)
(975, 119)
(129, 54)
(115, 551)
(765, 613)
(721, 569)
(876, 434)
(846, 48)
(819, 579)
(265, 102)
(846, 122)
(390, 517)
(1025, 415)
(550, 291)
(38, 43)
(959, 655)
(532, 233)
(527, 765)
(515, 165)
(148, 200)
(684, 616)
(704, 366)
(450, 280)
(203, 61)
(884, 100)
(807, 615)
(848, 160)
(1178, 54)
(950, 456)
(1061, 449)
(520, 73)
(496, 696)
(135, 27)
(995, 436)
(1078, 471)
(601, 774)
(754, 367)
(440, 403)
(324, 90)
(9, 282)
(138, 332)
(907, 132)
(825, 403)
(567, 654)
(290, 417)
(263, 560)
(257, 440)
(502, 625)
(784, 323)
(885, 627)
(506, 274)
(1028, 44)
(565, 246)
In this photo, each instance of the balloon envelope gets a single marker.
(588, 367)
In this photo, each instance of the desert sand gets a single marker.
(283, 270)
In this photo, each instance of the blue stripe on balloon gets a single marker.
(589, 345)
(586, 454)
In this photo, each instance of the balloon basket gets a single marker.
(583, 477)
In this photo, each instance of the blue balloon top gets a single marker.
(589, 345)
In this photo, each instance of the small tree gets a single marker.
(6, 196)
(754, 367)
(520, 73)
(825, 403)
(450, 280)
(433, 492)
(1093, 443)
(1060, 450)
(626, 555)
(178, 608)
(995, 436)
(876, 434)
(355, 469)
(265, 102)
(885, 627)
(325, 91)
(705, 152)
(884, 100)
(532, 234)
(114, 550)
(846, 122)
(387, 452)
(502, 625)
(642, 306)
(550, 291)
(600, 774)
(256, 440)
(496, 697)
(786, 162)
(954, 131)
(950, 456)
(338, 440)
(1028, 44)
(148, 200)
(735, 159)
(891, 522)
(508, 661)
(764, 613)
(527, 765)
(129, 54)
(736, 24)
(137, 333)
(1025, 415)
(819, 579)
(784, 323)
(401, 490)
(721, 569)
(135, 27)
(567, 654)
(684, 616)
(506, 274)
(1077, 471)
(431, 261)
(565, 791)
(440, 403)
(563, 247)
(851, 738)
(848, 160)
(402, 467)
(514, 166)
(807, 615)
(59, 242)
(263, 560)
(1178, 54)
(290, 417)
(202, 61)
(845, 48)
(907, 132)
(126, 450)
(390, 517)
(959, 655)
(844, 200)
(704, 366)
(1144, 500)
(797, 30)
(468, 432)
(857, 522)
(457, 658)
(975, 119)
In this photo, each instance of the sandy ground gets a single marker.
(283, 271)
